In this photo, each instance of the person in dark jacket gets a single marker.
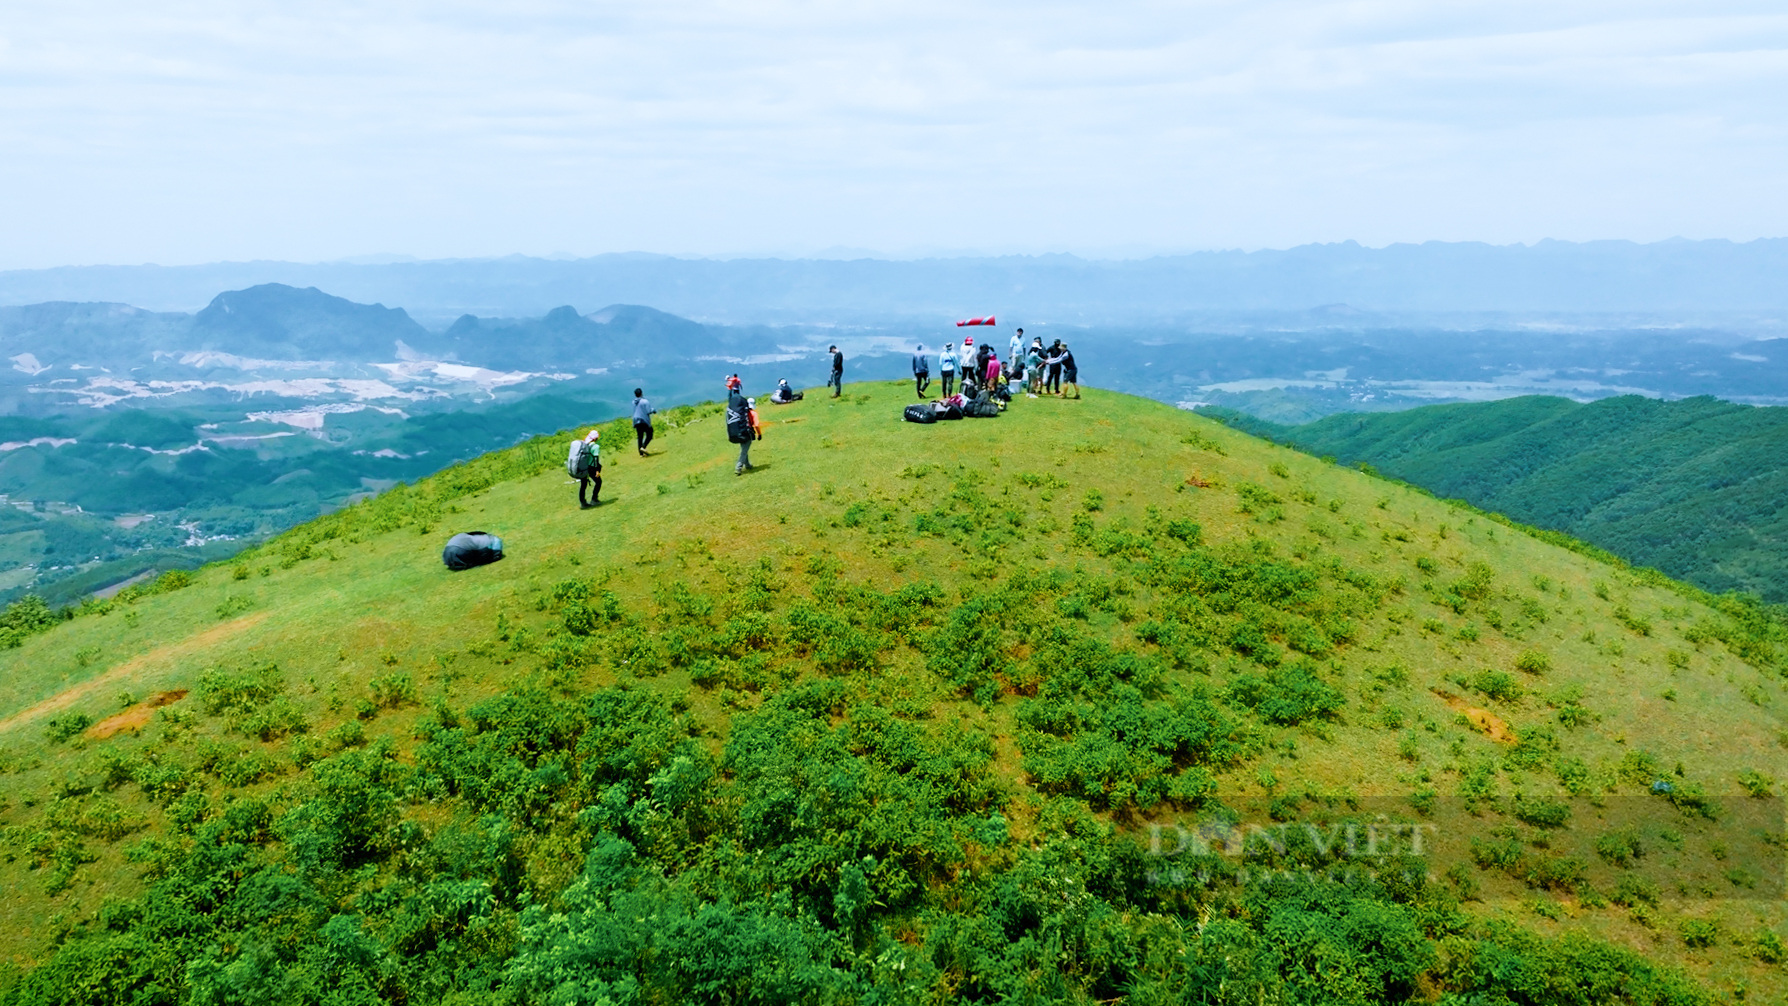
(921, 370)
(738, 424)
(1070, 373)
(836, 381)
(1053, 383)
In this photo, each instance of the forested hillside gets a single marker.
(1697, 488)
(1093, 702)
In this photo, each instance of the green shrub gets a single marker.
(1769, 948)
(1287, 696)
(1496, 685)
(1620, 847)
(67, 726)
(240, 691)
(1542, 812)
(392, 691)
(24, 618)
(1533, 662)
(1699, 933)
(1756, 783)
(1633, 890)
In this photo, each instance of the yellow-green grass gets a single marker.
(385, 605)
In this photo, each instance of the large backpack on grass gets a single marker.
(920, 414)
(581, 461)
(983, 407)
(471, 548)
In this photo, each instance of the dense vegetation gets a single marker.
(1697, 488)
(902, 740)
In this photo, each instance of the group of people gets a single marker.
(1042, 370)
(984, 379)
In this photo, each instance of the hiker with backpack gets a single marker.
(584, 463)
(921, 370)
(642, 420)
(738, 423)
(836, 381)
(946, 367)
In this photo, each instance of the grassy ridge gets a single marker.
(908, 714)
(1694, 487)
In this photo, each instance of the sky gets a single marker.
(184, 131)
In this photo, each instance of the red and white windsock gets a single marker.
(977, 321)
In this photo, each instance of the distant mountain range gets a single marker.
(275, 323)
(1697, 488)
(1686, 280)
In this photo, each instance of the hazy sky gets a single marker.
(177, 132)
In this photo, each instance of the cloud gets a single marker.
(198, 131)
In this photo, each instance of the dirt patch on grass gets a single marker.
(136, 717)
(1487, 722)
(204, 640)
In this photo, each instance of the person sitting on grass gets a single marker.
(784, 394)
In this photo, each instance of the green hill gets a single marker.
(1095, 702)
(1697, 488)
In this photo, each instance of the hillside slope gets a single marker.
(1097, 701)
(1697, 488)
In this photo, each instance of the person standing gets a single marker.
(1070, 372)
(586, 464)
(836, 381)
(1015, 350)
(1034, 364)
(738, 424)
(921, 370)
(992, 377)
(642, 420)
(946, 367)
(1053, 384)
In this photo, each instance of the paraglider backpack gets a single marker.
(738, 423)
(471, 548)
(582, 460)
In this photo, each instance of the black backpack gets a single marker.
(471, 548)
(738, 419)
(920, 414)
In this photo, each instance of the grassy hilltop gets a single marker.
(908, 714)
